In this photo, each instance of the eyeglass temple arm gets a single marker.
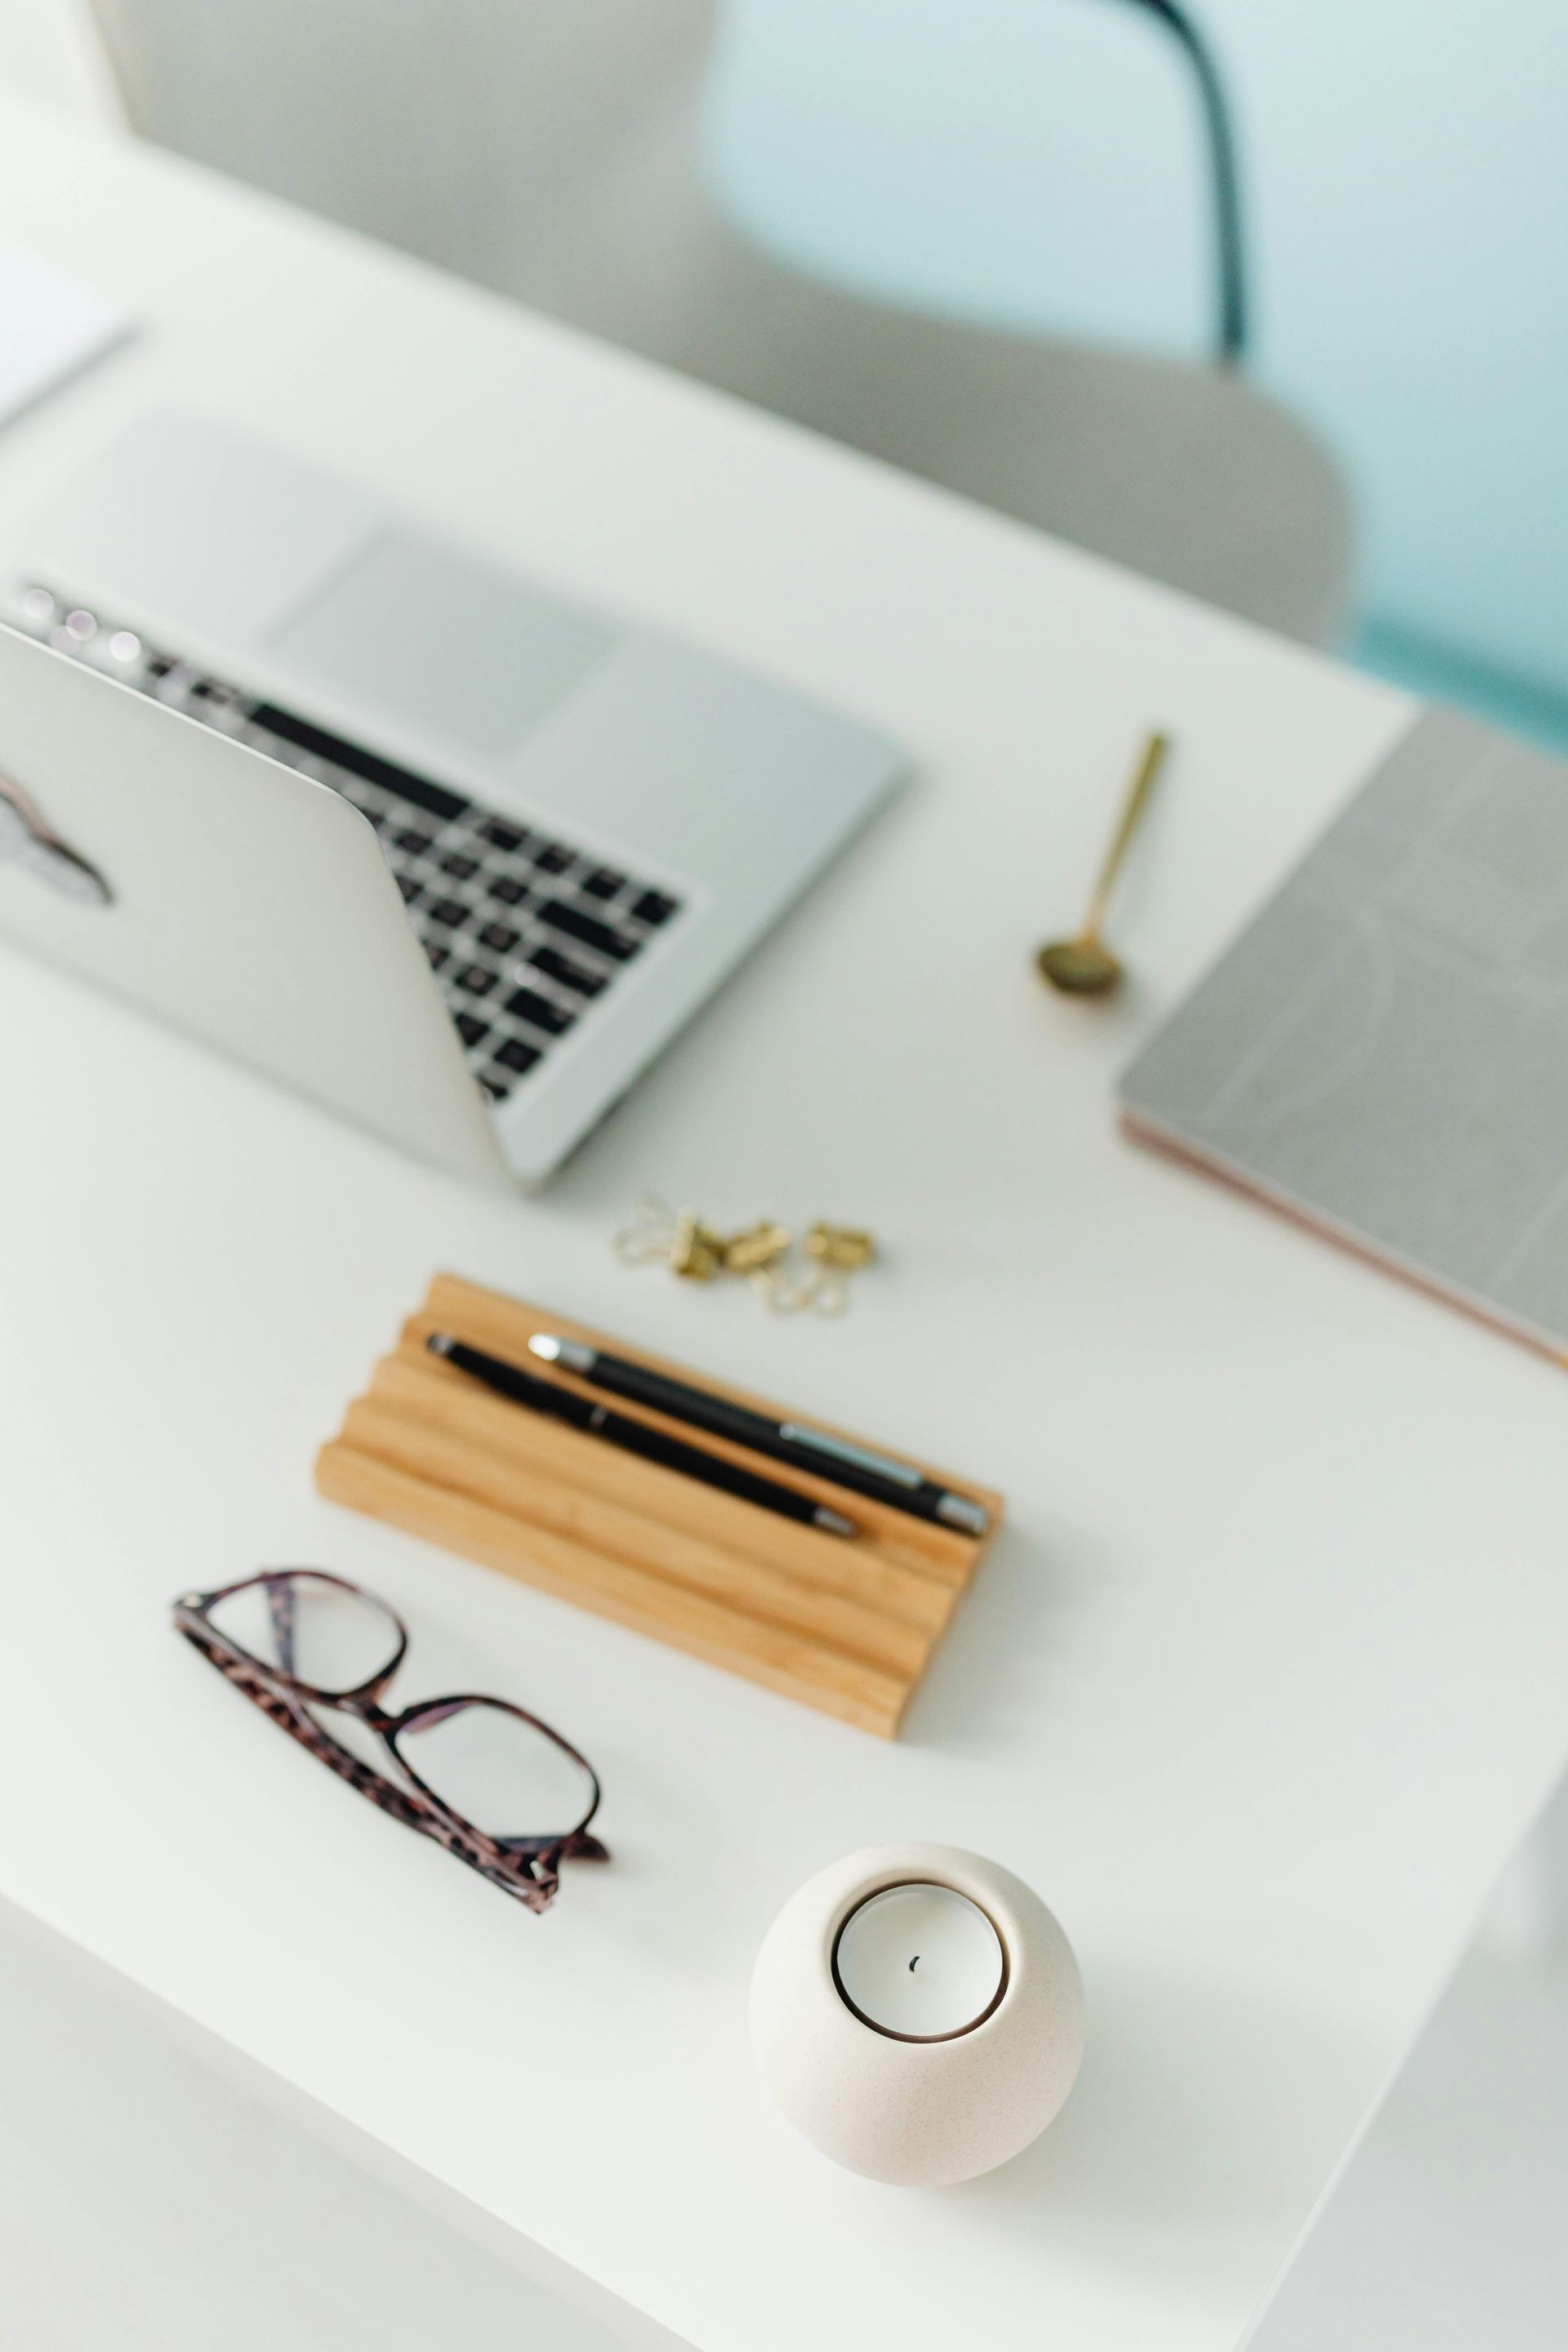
(280, 1607)
(581, 1846)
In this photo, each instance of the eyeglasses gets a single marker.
(303, 1645)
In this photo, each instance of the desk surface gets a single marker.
(1265, 1675)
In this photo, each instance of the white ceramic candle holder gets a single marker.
(917, 2014)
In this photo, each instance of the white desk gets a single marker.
(1268, 1673)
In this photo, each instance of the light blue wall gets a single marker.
(1035, 160)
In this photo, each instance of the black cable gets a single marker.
(1231, 254)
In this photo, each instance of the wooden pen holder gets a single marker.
(845, 1624)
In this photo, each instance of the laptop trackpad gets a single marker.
(468, 653)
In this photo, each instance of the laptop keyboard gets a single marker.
(522, 931)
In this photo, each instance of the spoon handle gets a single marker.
(1154, 750)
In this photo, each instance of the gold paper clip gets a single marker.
(759, 1253)
(837, 1252)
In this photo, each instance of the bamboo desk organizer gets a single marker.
(848, 1626)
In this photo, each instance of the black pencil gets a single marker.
(634, 1436)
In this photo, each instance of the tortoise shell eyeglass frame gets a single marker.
(528, 1868)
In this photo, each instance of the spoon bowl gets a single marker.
(1082, 967)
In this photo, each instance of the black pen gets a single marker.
(634, 1436)
(816, 1450)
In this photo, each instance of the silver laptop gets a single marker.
(444, 850)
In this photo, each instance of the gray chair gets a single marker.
(549, 148)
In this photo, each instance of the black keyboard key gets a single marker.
(589, 929)
(603, 884)
(517, 1056)
(503, 837)
(653, 906)
(415, 842)
(552, 858)
(527, 1005)
(436, 956)
(570, 974)
(507, 889)
(499, 938)
(461, 869)
(412, 891)
(433, 798)
(471, 1030)
(476, 979)
(449, 911)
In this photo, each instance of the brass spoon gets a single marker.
(1085, 966)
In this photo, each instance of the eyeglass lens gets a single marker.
(495, 1769)
(308, 1627)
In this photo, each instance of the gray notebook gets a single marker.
(1385, 1050)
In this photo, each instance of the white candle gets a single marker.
(920, 1961)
